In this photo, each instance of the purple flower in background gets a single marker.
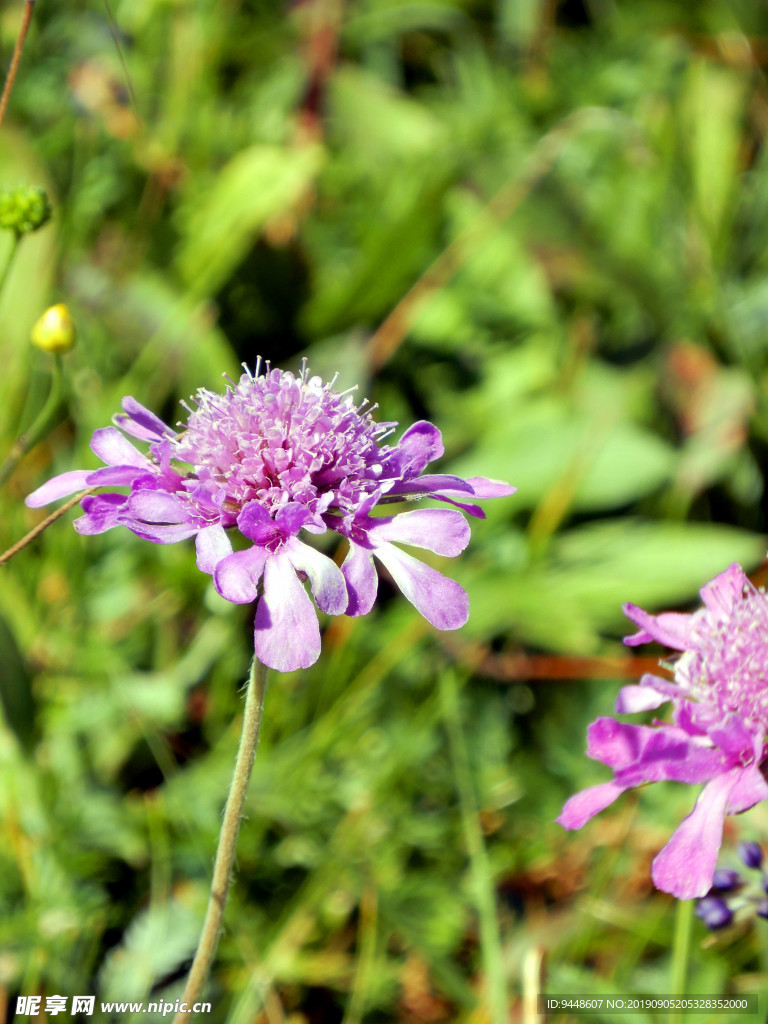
(272, 457)
(718, 732)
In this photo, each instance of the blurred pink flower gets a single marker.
(718, 732)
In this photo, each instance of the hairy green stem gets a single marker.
(225, 852)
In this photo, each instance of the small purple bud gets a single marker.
(750, 854)
(762, 909)
(714, 912)
(726, 879)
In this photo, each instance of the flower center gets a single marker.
(277, 439)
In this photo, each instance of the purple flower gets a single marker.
(718, 732)
(275, 456)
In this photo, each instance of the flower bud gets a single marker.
(750, 854)
(714, 912)
(54, 331)
(24, 209)
(726, 879)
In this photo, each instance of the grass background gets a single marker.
(541, 225)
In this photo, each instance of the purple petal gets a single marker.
(432, 483)
(102, 512)
(440, 530)
(420, 444)
(236, 577)
(212, 545)
(255, 523)
(750, 789)
(362, 582)
(115, 476)
(732, 737)
(643, 753)
(286, 631)
(291, 517)
(159, 533)
(114, 449)
(721, 593)
(671, 628)
(158, 507)
(686, 866)
(60, 486)
(639, 698)
(484, 487)
(440, 600)
(325, 577)
(578, 810)
(140, 422)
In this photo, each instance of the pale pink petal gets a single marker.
(671, 628)
(721, 593)
(635, 698)
(286, 630)
(141, 422)
(116, 450)
(578, 810)
(686, 865)
(212, 544)
(158, 507)
(325, 577)
(440, 600)
(361, 578)
(60, 486)
(750, 789)
(438, 529)
(236, 576)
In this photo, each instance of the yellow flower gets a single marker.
(54, 331)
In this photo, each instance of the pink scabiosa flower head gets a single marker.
(718, 734)
(275, 458)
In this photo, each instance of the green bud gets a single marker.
(54, 331)
(24, 209)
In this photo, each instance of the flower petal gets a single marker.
(140, 422)
(750, 789)
(116, 476)
(671, 628)
(439, 599)
(286, 631)
(485, 487)
(721, 593)
(635, 698)
(686, 866)
(326, 578)
(255, 523)
(362, 582)
(236, 576)
(102, 512)
(114, 449)
(60, 486)
(159, 507)
(212, 545)
(579, 808)
(438, 529)
(421, 444)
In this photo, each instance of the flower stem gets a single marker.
(225, 852)
(16, 238)
(681, 949)
(41, 425)
(481, 875)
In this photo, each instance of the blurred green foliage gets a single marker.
(542, 225)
